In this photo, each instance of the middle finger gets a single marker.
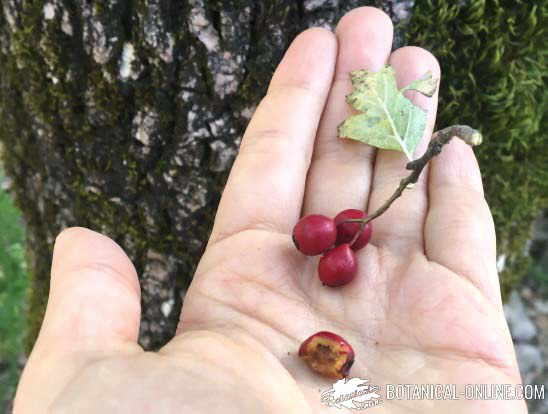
(340, 173)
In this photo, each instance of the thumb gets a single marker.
(93, 311)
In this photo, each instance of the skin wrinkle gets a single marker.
(243, 313)
(283, 237)
(83, 363)
(265, 227)
(278, 329)
(176, 359)
(308, 93)
(496, 362)
(104, 270)
(336, 153)
(437, 352)
(120, 330)
(240, 277)
(279, 141)
(470, 280)
(244, 335)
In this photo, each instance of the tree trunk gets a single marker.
(125, 117)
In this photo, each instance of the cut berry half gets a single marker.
(327, 354)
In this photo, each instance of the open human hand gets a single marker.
(424, 308)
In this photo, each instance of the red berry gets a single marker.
(338, 266)
(314, 234)
(347, 231)
(328, 354)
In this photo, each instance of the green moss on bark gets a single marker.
(492, 57)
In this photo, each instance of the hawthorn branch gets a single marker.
(439, 139)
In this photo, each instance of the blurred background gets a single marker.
(125, 117)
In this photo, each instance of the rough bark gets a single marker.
(125, 116)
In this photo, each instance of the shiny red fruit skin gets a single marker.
(338, 266)
(347, 231)
(314, 234)
(328, 354)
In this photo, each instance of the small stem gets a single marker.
(439, 139)
(359, 232)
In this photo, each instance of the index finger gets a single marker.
(266, 184)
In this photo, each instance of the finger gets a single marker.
(94, 292)
(340, 173)
(401, 226)
(459, 231)
(93, 310)
(266, 184)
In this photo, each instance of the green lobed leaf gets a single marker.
(388, 119)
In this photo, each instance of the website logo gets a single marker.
(353, 393)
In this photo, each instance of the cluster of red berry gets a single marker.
(337, 239)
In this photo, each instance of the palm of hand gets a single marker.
(408, 319)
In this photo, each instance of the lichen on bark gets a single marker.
(125, 116)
